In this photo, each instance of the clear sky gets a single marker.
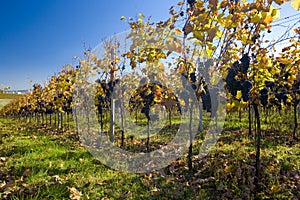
(38, 37)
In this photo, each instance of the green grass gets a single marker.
(41, 163)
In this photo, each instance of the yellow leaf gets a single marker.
(227, 168)
(122, 18)
(268, 19)
(141, 15)
(275, 12)
(161, 66)
(239, 94)
(178, 31)
(180, 3)
(279, 2)
(275, 188)
(209, 52)
(296, 4)
(255, 19)
(181, 69)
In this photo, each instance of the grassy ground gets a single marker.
(3, 102)
(43, 163)
(6, 98)
(9, 96)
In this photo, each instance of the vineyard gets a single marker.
(199, 106)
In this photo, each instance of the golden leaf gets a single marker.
(279, 2)
(296, 4)
(227, 168)
(181, 69)
(255, 19)
(239, 94)
(141, 15)
(178, 31)
(74, 193)
(275, 12)
(271, 167)
(214, 3)
(268, 19)
(180, 3)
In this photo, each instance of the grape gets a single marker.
(146, 111)
(296, 87)
(237, 84)
(264, 96)
(246, 87)
(191, 2)
(245, 60)
(283, 96)
(286, 75)
(278, 97)
(193, 85)
(231, 82)
(193, 77)
(206, 99)
(236, 65)
(149, 98)
(282, 65)
(270, 84)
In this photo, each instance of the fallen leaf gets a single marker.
(74, 193)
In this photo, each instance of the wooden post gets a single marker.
(258, 141)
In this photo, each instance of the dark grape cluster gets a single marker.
(148, 101)
(144, 98)
(103, 101)
(205, 96)
(264, 96)
(193, 77)
(271, 85)
(282, 97)
(246, 87)
(191, 2)
(233, 84)
(296, 87)
(245, 60)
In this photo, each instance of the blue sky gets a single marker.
(38, 37)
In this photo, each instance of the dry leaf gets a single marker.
(74, 194)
